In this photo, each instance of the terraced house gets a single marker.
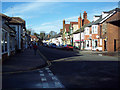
(8, 37)
(78, 36)
(99, 35)
(14, 36)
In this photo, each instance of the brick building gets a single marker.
(113, 32)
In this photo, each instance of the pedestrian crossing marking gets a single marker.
(49, 81)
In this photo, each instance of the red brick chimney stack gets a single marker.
(63, 24)
(85, 15)
(79, 18)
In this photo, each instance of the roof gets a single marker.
(67, 27)
(33, 36)
(4, 16)
(82, 29)
(73, 22)
(102, 19)
(19, 19)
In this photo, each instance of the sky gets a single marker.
(48, 16)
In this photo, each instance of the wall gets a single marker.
(112, 34)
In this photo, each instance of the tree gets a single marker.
(42, 35)
(52, 34)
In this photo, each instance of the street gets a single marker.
(67, 70)
(79, 71)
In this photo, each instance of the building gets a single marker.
(113, 32)
(18, 25)
(8, 41)
(34, 39)
(77, 35)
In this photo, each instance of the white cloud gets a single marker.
(24, 8)
(54, 26)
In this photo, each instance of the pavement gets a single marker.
(100, 53)
(23, 61)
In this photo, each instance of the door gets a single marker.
(105, 45)
(114, 45)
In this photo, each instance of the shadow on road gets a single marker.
(54, 54)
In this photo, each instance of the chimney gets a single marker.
(63, 24)
(79, 18)
(48, 35)
(85, 15)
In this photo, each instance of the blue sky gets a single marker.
(47, 16)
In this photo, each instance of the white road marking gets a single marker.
(54, 83)
(54, 78)
(45, 85)
(47, 68)
(58, 85)
(41, 71)
(51, 74)
(43, 79)
(42, 75)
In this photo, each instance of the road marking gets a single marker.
(49, 71)
(43, 79)
(42, 75)
(45, 85)
(47, 68)
(51, 74)
(46, 79)
(41, 71)
(54, 78)
(58, 85)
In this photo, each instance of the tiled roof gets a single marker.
(32, 36)
(73, 22)
(4, 16)
(15, 21)
(19, 19)
(82, 29)
(67, 27)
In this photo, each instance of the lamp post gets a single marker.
(80, 32)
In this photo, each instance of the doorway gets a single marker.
(105, 45)
(114, 45)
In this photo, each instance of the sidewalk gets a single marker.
(23, 61)
(105, 53)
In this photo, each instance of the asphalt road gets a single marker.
(77, 71)
(68, 70)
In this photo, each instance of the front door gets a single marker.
(114, 45)
(105, 45)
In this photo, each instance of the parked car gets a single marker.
(60, 46)
(45, 44)
(68, 47)
(52, 45)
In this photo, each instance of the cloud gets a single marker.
(53, 26)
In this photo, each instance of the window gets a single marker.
(4, 41)
(94, 29)
(100, 41)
